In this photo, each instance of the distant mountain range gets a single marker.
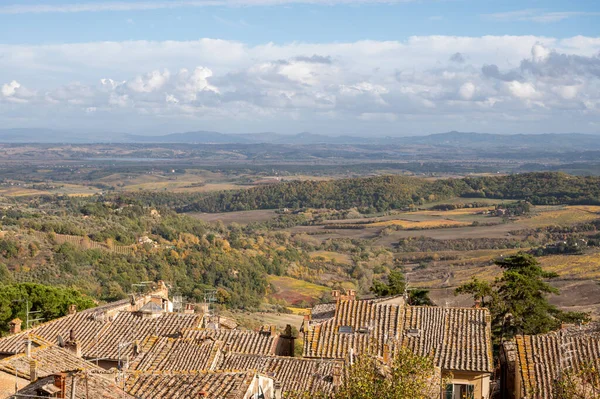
(562, 142)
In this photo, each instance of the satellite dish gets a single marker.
(61, 341)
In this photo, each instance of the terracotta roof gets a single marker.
(88, 385)
(240, 341)
(541, 357)
(294, 374)
(124, 327)
(458, 338)
(188, 385)
(176, 354)
(130, 326)
(84, 324)
(50, 359)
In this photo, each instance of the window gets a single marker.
(345, 330)
(459, 391)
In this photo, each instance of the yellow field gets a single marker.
(426, 224)
(22, 192)
(298, 286)
(294, 291)
(581, 266)
(331, 256)
(562, 216)
(455, 212)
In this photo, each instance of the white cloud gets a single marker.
(303, 86)
(466, 91)
(534, 15)
(9, 89)
(150, 82)
(522, 90)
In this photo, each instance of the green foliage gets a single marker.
(518, 300)
(53, 302)
(396, 284)
(479, 289)
(419, 297)
(408, 376)
(382, 193)
(582, 382)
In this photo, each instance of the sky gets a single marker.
(336, 67)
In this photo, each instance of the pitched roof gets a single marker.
(175, 354)
(458, 338)
(294, 374)
(240, 341)
(100, 337)
(540, 360)
(49, 358)
(88, 385)
(84, 324)
(188, 385)
(127, 327)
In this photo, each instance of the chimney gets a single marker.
(307, 317)
(337, 375)
(386, 353)
(335, 294)
(33, 376)
(14, 326)
(477, 303)
(72, 309)
(278, 391)
(273, 330)
(72, 345)
(351, 294)
(60, 383)
(28, 347)
(189, 308)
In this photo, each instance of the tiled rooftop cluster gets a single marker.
(45, 363)
(458, 338)
(99, 337)
(201, 351)
(49, 359)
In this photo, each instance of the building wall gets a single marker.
(480, 381)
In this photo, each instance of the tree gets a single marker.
(477, 288)
(518, 300)
(419, 297)
(582, 383)
(53, 302)
(407, 376)
(395, 285)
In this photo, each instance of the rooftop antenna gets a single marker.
(565, 352)
(210, 297)
(28, 320)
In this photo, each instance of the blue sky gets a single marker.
(393, 67)
(298, 21)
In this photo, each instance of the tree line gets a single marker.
(382, 193)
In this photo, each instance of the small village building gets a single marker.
(459, 339)
(532, 365)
